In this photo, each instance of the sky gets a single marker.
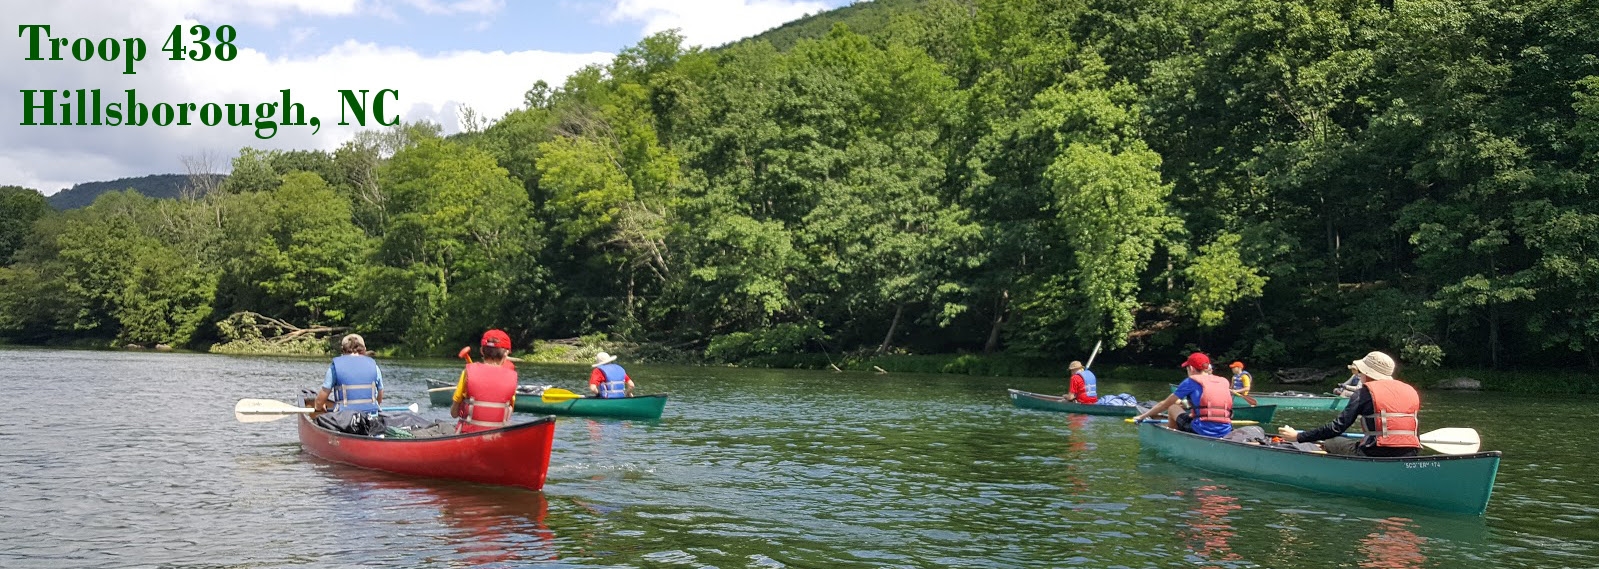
(439, 55)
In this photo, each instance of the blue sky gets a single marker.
(441, 56)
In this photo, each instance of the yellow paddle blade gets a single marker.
(554, 394)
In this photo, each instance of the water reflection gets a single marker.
(487, 526)
(1209, 530)
(1392, 546)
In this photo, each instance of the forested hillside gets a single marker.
(1286, 182)
(156, 186)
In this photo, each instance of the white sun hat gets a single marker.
(1375, 365)
(602, 358)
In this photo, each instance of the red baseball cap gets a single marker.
(1197, 360)
(496, 339)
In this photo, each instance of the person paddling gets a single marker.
(1387, 408)
(609, 380)
(486, 392)
(1242, 380)
(354, 382)
(1207, 395)
(1084, 386)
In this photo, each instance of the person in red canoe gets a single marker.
(354, 382)
(609, 380)
(486, 392)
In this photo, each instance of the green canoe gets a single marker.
(1313, 402)
(1293, 401)
(1025, 400)
(640, 407)
(1452, 483)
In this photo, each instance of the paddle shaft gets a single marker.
(1093, 355)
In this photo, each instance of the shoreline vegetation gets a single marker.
(581, 351)
(1282, 183)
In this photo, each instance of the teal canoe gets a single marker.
(1288, 401)
(639, 407)
(1452, 483)
(1291, 400)
(1025, 400)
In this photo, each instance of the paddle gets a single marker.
(555, 394)
(263, 410)
(1451, 440)
(1090, 364)
(1237, 423)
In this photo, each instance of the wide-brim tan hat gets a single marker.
(602, 358)
(1375, 365)
(1074, 366)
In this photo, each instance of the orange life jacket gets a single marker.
(1215, 399)
(490, 391)
(1393, 420)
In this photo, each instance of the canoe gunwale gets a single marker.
(458, 436)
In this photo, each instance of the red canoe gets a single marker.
(518, 455)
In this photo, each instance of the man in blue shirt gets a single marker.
(1208, 396)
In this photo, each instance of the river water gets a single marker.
(125, 459)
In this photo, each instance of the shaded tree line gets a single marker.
(1285, 182)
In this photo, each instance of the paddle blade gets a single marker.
(1452, 440)
(466, 353)
(261, 410)
(555, 394)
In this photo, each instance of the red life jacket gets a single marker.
(1215, 399)
(1393, 421)
(490, 390)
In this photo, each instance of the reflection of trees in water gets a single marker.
(1392, 546)
(492, 525)
(1207, 531)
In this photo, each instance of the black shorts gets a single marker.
(1184, 422)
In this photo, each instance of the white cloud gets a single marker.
(713, 22)
(50, 158)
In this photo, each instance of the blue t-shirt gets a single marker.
(1190, 390)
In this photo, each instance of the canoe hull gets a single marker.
(518, 455)
(1459, 483)
(637, 407)
(640, 407)
(1289, 402)
(1025, 400)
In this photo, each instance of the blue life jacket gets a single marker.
(1090, 383)
(615, 384)
(1238, 380)
(355, 381)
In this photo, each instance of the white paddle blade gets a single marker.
(1452, 440)
(267, 407)
(412, 408)
(1452, 436)
(260, 417)
(1452, 448)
